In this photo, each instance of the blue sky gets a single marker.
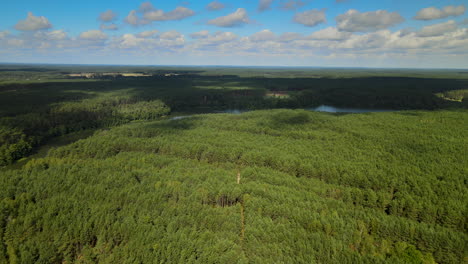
(331, 33)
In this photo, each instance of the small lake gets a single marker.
(322, 108)
(332, 109)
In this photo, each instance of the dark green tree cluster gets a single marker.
(19, 134)
(13, 145)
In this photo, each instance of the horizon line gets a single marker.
(227, 66)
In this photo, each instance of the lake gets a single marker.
(332, 109)
(321, 108)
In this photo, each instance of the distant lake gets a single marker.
(322, 108)
(332, 109)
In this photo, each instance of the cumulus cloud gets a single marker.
(172, 40)
(237, 18)
(33, 23)
(93, 35)
(42, 39)
(147, 13)
(221, 37)
(264, 5)
(438, 29)
(215, 5)
(310, 18)
(57, 35)
(133, 19)
(431, 13)
(200, 34)
(107, 16)
(52, 35)
(130, 40)
(148, 33)
(177, 14)
(330, 33)
(292, 4)
(148, 41)
(146, 7)
(14, 42)
(212, 42)
(109, 27)
(4, 34)
(171, 35)
(359, 34)
(290, 36)
(264, 35)
(355, 21)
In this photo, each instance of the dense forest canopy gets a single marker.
(95, 170)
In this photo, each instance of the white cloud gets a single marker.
(111, 26)
(146, 7)
(221, 37)
(148, 41)
(107, 16)
(33, 23)
(177, 14)
(93, 35)
(42, 39)
(215, 41)
(14, 42)
(55, 35)
(330, 33)
(442, 40)
(147, 13)
(369, 41)
(200, 34)
(154, 15)
(264, 5)
(355, 21)
(132, 18)
(310, 18)
(292, 4)
(438, 29)
(147, 34)
(4, 34)
(237, 18)
(171, 35)
(264, 35)
(431, 13)
(173, 44)
(215, 5)
(290, 36)
(130, 41)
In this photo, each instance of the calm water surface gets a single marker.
(322, 108)
(332, 109)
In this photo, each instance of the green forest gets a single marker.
(116, 169)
